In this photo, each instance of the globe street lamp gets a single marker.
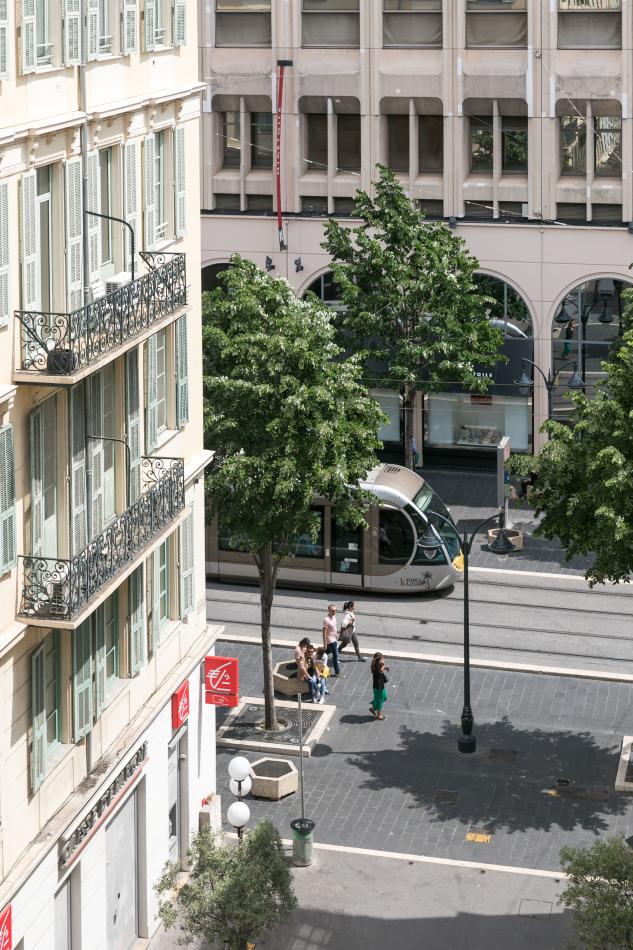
(238, 813)
(525, 381)
(501, 545)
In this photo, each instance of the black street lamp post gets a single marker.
(501, 545)
(525, 382)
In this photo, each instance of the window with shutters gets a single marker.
(166, 383)
(160, 186)
(589, 24)
(330, 23)
(180, 205)
(4, 66)
(136, 620)
(129, 27)
(44, 495)
(161, 380)
(43, 40)
(187, 594)
(7, 500)
(163, 593)
(106, 26)
(242, 23)
(496, 23)
(109, 429)
(45, 707)
(164, 24)
(133, 424)
(110, 611)
(106, 207)
(412, 23)
(4, 252)
(44, 240)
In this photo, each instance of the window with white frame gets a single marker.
(496, 23)
(95, 665)
(164, 23)
(412, 23)
(164, 185)
(330, 23)
(589, 24)
(242, 23)
(160, 205)
(45, 706)
(7, 500)
(166, 361)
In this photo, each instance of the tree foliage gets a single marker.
(600, 893)
(232, 894)
(412, 303)
(584, 489)
(288, 419)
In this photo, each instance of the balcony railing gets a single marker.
(57, 589)
(62, 343)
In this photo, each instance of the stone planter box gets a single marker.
(514, 536)
(285, 679)
(273, 778)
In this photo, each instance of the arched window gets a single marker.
(509, 312)
(326, 290)
(210, 275)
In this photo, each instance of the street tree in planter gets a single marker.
(288, 419)
(599, 893)
(233, 894)
(584, 486)
(412, 306)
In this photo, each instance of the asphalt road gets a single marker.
(523, 618)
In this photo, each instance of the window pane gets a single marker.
(573, 145)
(344, 206)
(589, 31)
(514, 145)
(508, 312)
(314, 205)
(259, 202)
(230, 140)
(161, 378)
(50, 688)
(606, 214)
(572, 212)
(329, 6)
(395, 537)
(424, 5)
(481, 145)
(261, 140)
(589, 4)
(347, 549)
(501, 30)
(431, 143)
(412, 30)
(607, 144)
(226, 202)
(337, 30)
(105, 165)
(348, 143)
(431, 208)
(242, 6)
(242, 29)
(159, 183)
(317, 141)
(502, 6)
(398, 142)
(163, 582)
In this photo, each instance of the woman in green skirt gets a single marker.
(380, 678)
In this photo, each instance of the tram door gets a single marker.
(346, 555)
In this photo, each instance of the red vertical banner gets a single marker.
(6, 933)
(180, 705)
(280, 97)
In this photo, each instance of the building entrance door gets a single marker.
(121, 884)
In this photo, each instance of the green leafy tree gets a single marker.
(584, 488)
(600, 893)
(289, 420)
(232, 894)
(412, 303)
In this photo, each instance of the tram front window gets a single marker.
(424, 555)
(430, 502)
(395, 537)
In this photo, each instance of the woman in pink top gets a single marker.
(330, 637)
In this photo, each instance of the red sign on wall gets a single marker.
(6, 935)
(180, 705)
(221, 680)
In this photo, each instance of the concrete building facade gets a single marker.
(510, 119)
(106, 743)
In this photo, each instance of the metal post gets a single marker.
(467, 742)
(550, 399)
(303, 813)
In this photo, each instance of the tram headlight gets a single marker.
(429, 553)
(458, 562)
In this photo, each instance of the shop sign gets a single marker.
(6, 934)
(221, 680)
(101, 809)
(477, 399)
(180, 705)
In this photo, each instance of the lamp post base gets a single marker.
(467, 744)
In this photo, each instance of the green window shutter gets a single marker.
(137, 621)
(95, 450)
(7, 500)
(128, 27)
(179, 27)
(156, 598)
(72, 32)
(149, 220)
(38, 718)
(182, 376)
(151, 390)
(74, 229)
(129, 197)
(37, 483)
(4, 40)
(4, 240)
(149, 16)
(100, 660)
(133, 410)
(27, 34)
(28, 224)
(78, 526)
(82, 680)
(94, 224)
(186, 566)
(179, 193)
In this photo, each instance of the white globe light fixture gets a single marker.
(238, 815)
(241, 788)
(239, 768)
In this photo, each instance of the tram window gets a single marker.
(427, 498)
(395, 537)
(308, 545)
(347, 549)
(228, 542)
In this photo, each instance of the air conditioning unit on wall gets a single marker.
(117, 281)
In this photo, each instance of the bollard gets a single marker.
(302, 839)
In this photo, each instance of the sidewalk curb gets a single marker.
(439, 660)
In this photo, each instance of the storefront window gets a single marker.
(478, 420)
(391, 405)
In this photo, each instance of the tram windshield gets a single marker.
(431, 504)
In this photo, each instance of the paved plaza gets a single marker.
(543, 775)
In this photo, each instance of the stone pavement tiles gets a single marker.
(401, 785)
(472, 496)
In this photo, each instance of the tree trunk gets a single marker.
(267, 578)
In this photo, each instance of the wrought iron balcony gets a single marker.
(61, 344)
(57, 589)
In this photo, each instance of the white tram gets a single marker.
(388, 556)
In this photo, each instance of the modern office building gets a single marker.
(509, 119)
(106, 744)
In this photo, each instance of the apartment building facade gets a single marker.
(106, 744)
(509, 119)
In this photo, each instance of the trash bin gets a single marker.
(302, 838)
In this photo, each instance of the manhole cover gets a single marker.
(445, 797)
(479, 835)
(502, 755)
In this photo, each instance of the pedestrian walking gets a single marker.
(379, 678)
(348, 629)
(330, 637)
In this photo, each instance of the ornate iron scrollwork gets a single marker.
(56, 589)
(61, 343)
